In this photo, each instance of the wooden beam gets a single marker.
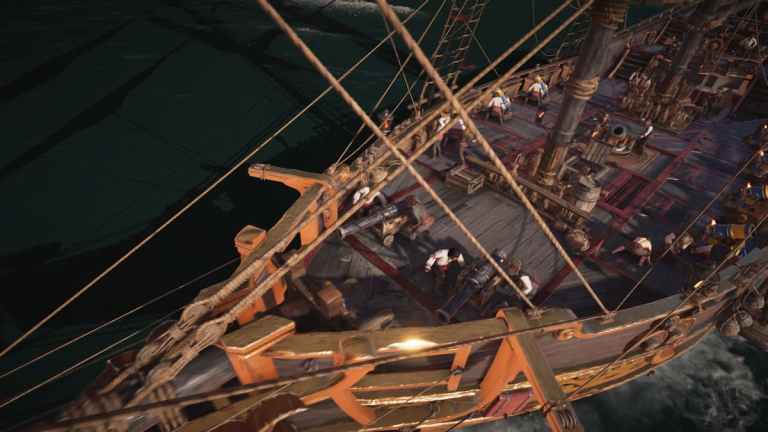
(326, 344)
(558, 411)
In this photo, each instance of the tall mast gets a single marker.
(700, 22)
(606, 15)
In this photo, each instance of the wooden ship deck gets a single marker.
(311, 351)
(650, 196)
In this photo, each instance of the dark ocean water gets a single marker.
(114, 114)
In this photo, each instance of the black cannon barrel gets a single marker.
(386, 213)
(474, 282)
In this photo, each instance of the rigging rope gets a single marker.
(342, 158)
(116, 319)
(685, 231)
(197, 198)
(470, 123)
(400, 64)
(86, 361)
(533, 19)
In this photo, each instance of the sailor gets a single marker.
(386, 122)
(640, 247)
(748, 44)
(442, 122)
(438, 263)
(681, 245)
(538, 90)
(759, 137)
(635, 79)
(601, 127)
(496, 294)
(640, 144)
(644, 84)
(363, 192)
(458, 131)
(498, 105)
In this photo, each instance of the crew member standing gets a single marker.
(363, 193)
(438, 263)
(385, 120)
(643, 140)
(442, 122)
(640, 247)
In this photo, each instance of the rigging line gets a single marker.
(685, 231)
(197, 198)
(248, 408)
(372, 136)
(533, 19)
(472, 127)
(482, 50)
(251, 266)
(323, 70)
(444, 35)
(661, 322)
(86, 361)
(405, 402)
(460, 422)
(400, 64)
(393, 80)
(116, 319)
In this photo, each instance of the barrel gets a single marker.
(733, 231)
(586, 197)
(758, 192)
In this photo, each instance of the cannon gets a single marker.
(473, 283)
(408, 217)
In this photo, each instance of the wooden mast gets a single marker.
(607, 15)
(701, 21)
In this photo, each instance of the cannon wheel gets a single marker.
(388, 240)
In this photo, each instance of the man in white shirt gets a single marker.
(498, 105)
(640, 247)
(438, 263)
(500, 295)
(364, 192)
(442, 122)
(538, 90)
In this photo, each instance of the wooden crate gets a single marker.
(465, 179)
